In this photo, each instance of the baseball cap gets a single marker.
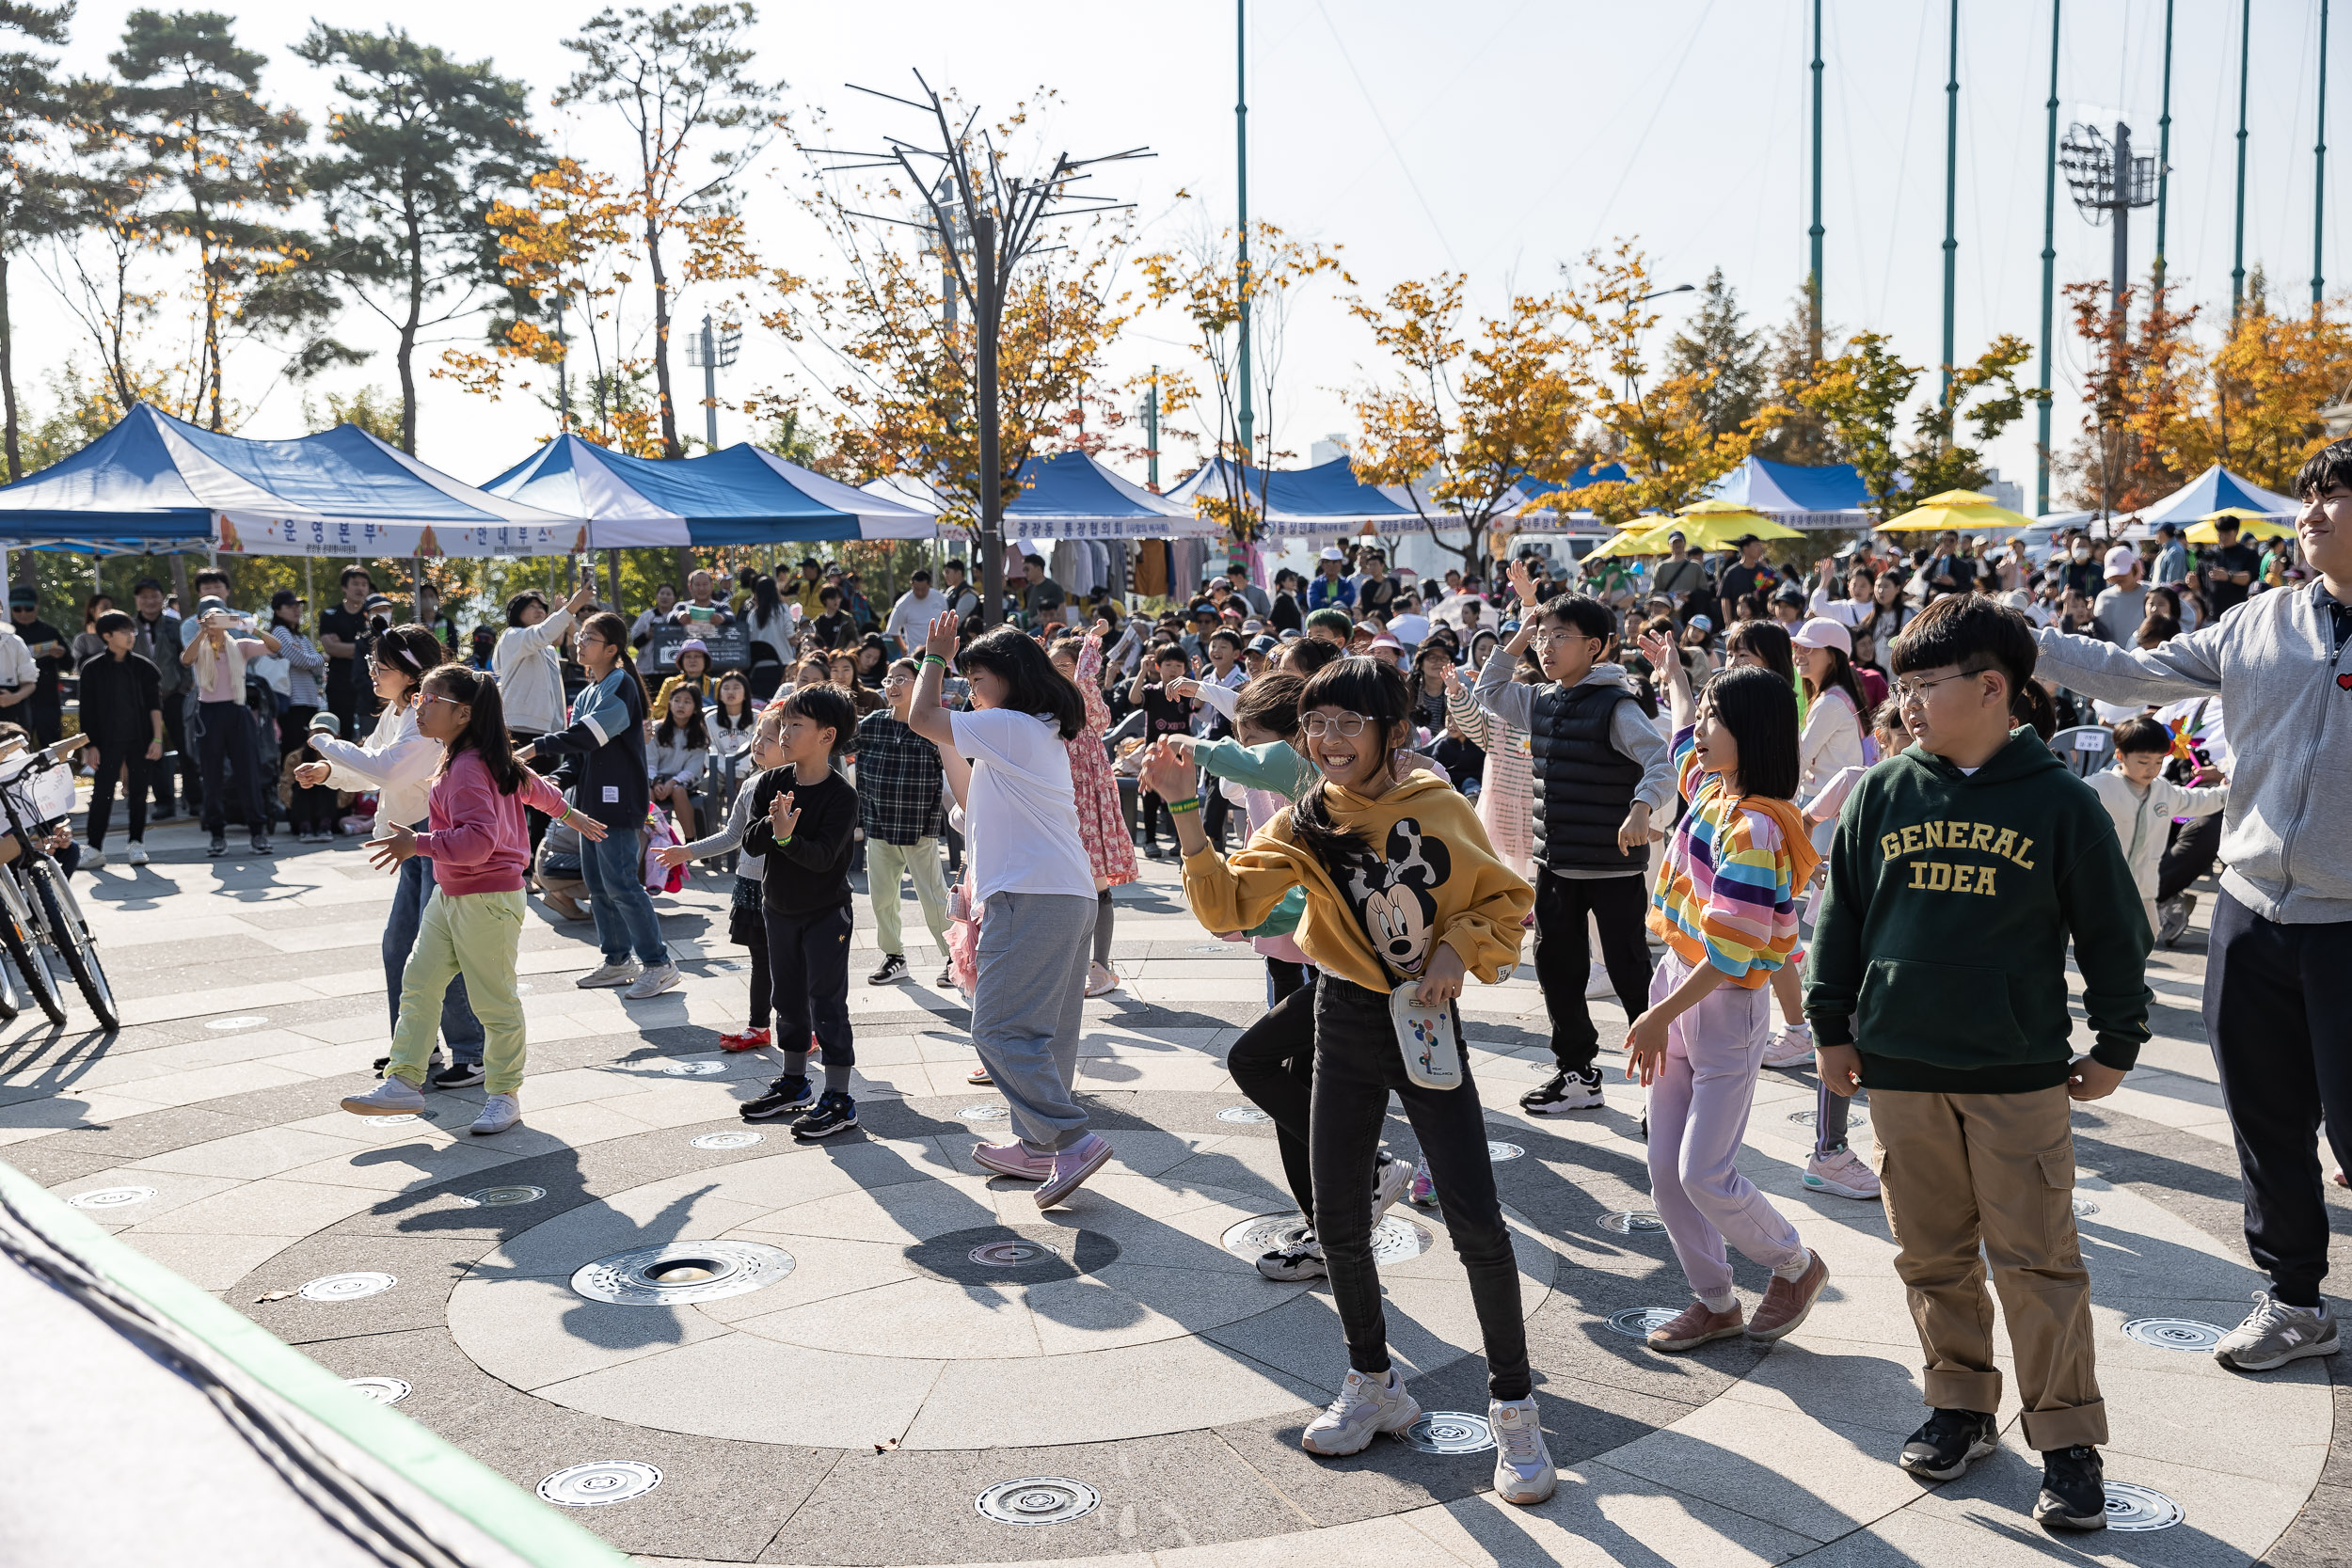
(1823, 632)
(2121, 561)
(325, 724)
(1385, 641)
(1332, 552)
(1703, 623)
(1263, 644)
(375, 601)
(283, 597)
(204, 605)
(21, 595)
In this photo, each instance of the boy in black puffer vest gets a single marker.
(1600, 768)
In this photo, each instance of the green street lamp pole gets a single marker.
(2237, 246)
(1951, 196)
(2164, 141)
(2049, 275)
(2319, 163)
(1244, 422)
(1813, 283)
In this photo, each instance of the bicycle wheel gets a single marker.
(21, 939)
(71, 934)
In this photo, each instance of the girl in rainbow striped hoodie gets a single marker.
(1726, 905)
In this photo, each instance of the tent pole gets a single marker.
(309, 592)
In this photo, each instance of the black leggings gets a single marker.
(1564, 956)
(1274, 1064)
(809, 974)
(119, 756)
(1357, 1066)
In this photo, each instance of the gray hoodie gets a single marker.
(2275, 663)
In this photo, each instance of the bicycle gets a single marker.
(41, 924)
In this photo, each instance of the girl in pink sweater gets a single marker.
(479, 842)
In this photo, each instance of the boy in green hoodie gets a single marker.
(1937, 980)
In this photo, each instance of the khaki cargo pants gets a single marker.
(1995, 1169)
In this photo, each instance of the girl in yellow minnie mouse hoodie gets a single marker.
(1401, 886)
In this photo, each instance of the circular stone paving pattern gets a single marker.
(922, 1301)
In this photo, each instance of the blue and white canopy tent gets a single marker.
(1550, 519)
(2212, 491)
(157, 485)
(738, 496)
(1068, 496)
(1326, 501)
(1829, 497)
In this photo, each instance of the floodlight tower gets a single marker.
(2106, 178)
(714, 349)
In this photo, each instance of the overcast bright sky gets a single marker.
(1497, 137)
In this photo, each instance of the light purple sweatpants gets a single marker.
(1698, 1112)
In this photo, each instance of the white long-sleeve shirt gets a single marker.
(397, 760)
(530, 676)
(2140, 818)
(1831, 741)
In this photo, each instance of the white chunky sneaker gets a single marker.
(138, 853)
(393, 1097)
(605, 975)
(1391, 1177)
(1791, 1047)
(1523, 1472)
(499, 1113)
(652, 983)
(2275, 1333)
(1368, 1405)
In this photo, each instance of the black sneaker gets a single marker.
(261, 841)
(2073, 1490)
(220, 844)
(1951, 1442)
(432, 1068)
(1153, 853)
(1563, 1092)
(893, 970)
(457, 1076)
(785, 1095)
(834, 1112)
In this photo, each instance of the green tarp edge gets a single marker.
(459, 1482)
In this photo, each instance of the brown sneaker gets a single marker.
(1788, 1302)
(1695, 1327)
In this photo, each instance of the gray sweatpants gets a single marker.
(1027, 1008)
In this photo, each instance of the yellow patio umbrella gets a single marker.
(1715, 525)
(1961, 510)
(2250, 525)
(1648, 537)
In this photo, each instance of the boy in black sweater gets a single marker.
(1937, 981)
(805, 822)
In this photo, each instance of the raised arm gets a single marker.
(1666, 659)
(925, 716)
(2186, 666)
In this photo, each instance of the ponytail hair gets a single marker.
(486, 734)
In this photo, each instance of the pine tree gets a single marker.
(34, 199)
(1728, 361)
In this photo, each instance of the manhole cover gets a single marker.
(1395, 1239)
(671, 1070)
(1449, 1431)
(2173, 1334)
(243, 1020)
(1245, 1114)
(2134, 1507)
(599, 1483)
(1212, 947)
(2084, 1207)
(400, 1119)
(504, 1197)
(742, 1139)
(725, 966)
(1854, 1119)
(1499, 1152)
(983, 1113)
(346, 1286)
(383, 1390)
(1635, 1323)
(1037, 1500)
(111, 1197)
(1633, 1222)
(677, 1273)
(1010, 1255)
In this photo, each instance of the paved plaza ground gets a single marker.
(932, 1336)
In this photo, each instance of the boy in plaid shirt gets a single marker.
(898, 789)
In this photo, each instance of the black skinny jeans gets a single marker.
(119, 755)
(1357, 1066)
(808, 978)
(1563, 954)
(1274, 1064)
(225, 741)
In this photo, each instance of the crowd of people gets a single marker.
(1713, 790)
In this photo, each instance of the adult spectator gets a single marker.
(804, 589)
(1288, 611)
(2124, 603)
(2080, 568)
(339, 630)
(650, 621)
(306, 669)
(957, 593)
(2172, 556)
(1679, 575)
(87, 642)
(1237, 578)
(155, 638)
(430, 616)
(123, 713)
(2229, 568)
(529, 672)
(1951, 569)
(1747, 575)
(700, 609)
(911, 617)
(44, 711)
(1040, 595)
(1375, 590)
(1331, 588)
(223, 725)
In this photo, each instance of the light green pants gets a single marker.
(884, 864)
(476, 935)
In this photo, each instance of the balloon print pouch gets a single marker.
(1426, 1036)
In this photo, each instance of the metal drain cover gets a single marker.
(1449, 1431)
(2084, 1207)
(1633, 1222)
(1393, 1240)
(346, 1286)
(383, 1390)
(1037, 1500)
(678, 1272)
(1635, 1323)
(599, 1483)
(743, 1138)
(2134, 1507)
(243, 1020)
(111, 1197)
(1854, 1119)
(983, 1113)
(504, 1197)
(2173, 1334)
(1496, 1153)
(1011, 1254)
(1244, 1114)
(400, 1118)
(670, 1069)
(1212, 947)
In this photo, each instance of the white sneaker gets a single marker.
(1101, 981)
(653, 982)
(499, 1113)
(608, 974)
(1389, 1178)
(1791, 1047)
(1366, 1407)
(91, 858)
(1523, 1472)
(1597, 986)
(1842, 1172)
(138, 853)
(393, 1097)
(2275, 1333)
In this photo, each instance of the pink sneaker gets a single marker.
(1842, 1172)
(1071, 1166)
(1015, 1160)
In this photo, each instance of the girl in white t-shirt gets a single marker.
(1034, 887)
